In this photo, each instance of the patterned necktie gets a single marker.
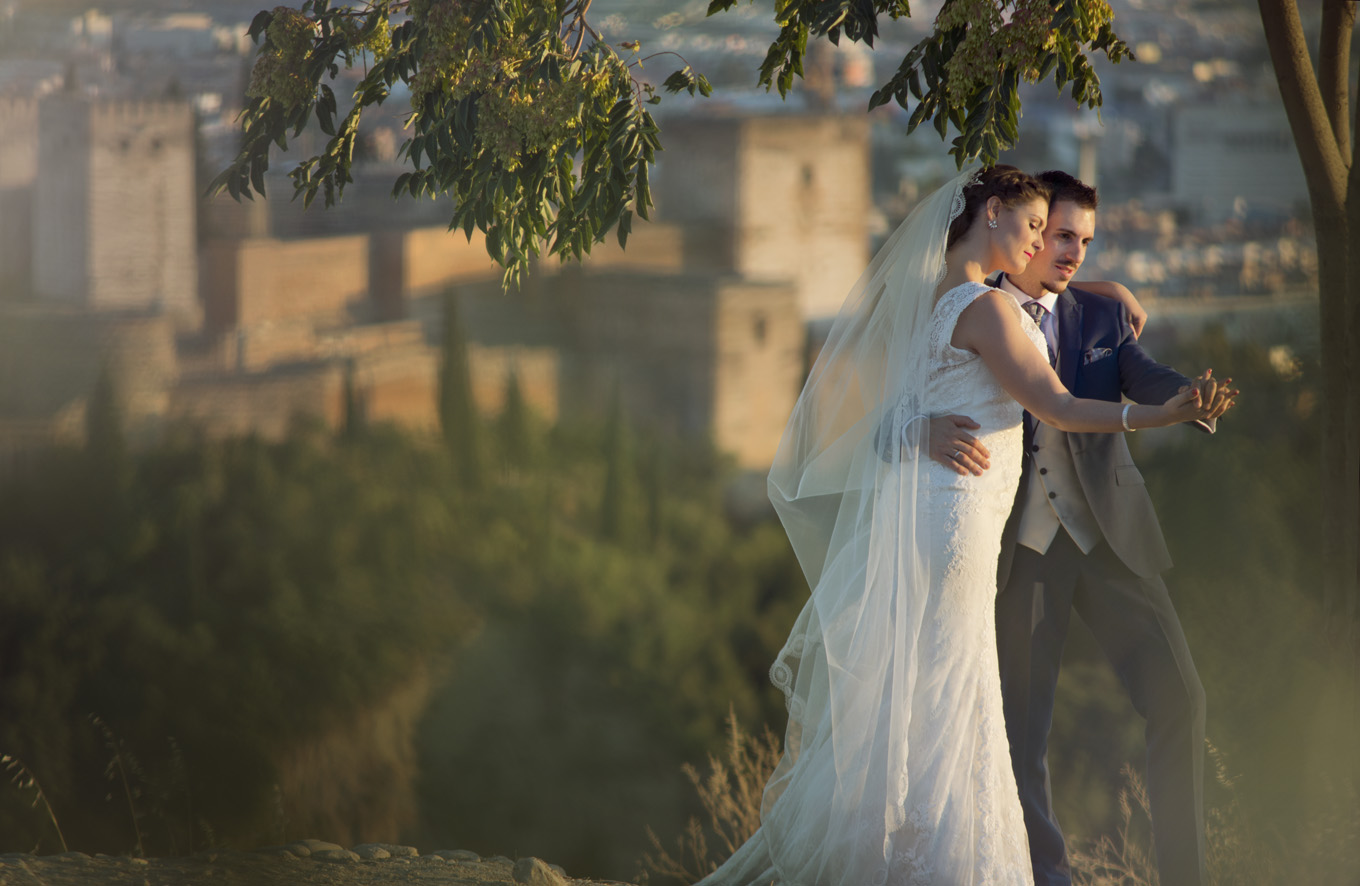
(1036, 309)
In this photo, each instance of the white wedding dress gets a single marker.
(896, 766)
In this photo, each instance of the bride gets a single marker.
(895, 766)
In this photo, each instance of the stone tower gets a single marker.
(779, 197)
(114, 206)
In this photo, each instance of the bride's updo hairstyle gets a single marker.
(1008, 184)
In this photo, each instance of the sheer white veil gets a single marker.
(844, 483)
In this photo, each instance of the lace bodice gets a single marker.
(960, 383)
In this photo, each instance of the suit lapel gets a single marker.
(1069, 340)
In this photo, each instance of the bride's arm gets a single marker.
(1120, 293)
(990, 327)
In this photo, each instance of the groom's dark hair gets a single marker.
(1068, 187)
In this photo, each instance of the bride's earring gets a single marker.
(991, 223)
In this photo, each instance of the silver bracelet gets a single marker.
(1124, 416)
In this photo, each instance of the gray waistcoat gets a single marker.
(1053, 496)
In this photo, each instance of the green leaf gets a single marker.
(918, 116)
(259, 24)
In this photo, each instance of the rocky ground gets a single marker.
(305, 863)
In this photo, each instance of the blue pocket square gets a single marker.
(1095, 354)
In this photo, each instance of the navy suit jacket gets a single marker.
(1100, 359)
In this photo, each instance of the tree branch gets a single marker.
(577, 12)
(1309, 120)
(1334, 66)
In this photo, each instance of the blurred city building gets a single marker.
(238, 318)
(254, 319)
(1236, 158)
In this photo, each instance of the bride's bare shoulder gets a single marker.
(985, 317)
(995, 303)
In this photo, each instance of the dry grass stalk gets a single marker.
(1121, 861)
(119, 763)
(25, 780)
(730, 794)
(1234, 851)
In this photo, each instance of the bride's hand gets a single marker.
(1187, 405)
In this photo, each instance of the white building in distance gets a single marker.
(1235, 158)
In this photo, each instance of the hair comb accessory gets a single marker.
(956, 208)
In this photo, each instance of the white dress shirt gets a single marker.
(1049, 300)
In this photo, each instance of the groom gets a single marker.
(1083, 535)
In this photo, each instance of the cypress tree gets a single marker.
(516, 444)
(654, 490)
(615, 464)
(457, 412)
(107, 462)
(105, 443)
(356, 418)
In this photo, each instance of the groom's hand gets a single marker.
(952, 446)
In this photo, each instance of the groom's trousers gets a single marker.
(1135, 624)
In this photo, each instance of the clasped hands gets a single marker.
(951, 445)
(1215, 396)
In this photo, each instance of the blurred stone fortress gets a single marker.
(240, 318)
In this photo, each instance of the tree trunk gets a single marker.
(1338, 274)
(1348, 579)
(1318, 118)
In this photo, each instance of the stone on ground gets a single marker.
(536, 872)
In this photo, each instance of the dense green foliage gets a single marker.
(505, 94)
(221, 602)
(966, 73)
(540, 130)
(215, 605)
